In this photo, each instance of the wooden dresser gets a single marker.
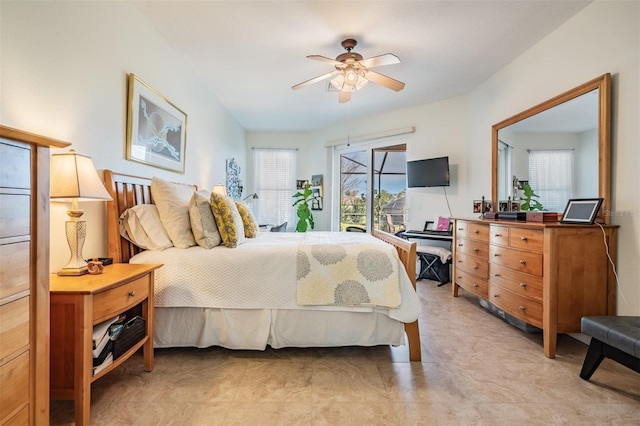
(24, 276)
(547, 274)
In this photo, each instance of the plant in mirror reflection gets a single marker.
(528, 203)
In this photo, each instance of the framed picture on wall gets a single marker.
(156, 128)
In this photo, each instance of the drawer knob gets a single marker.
(522, 262)
(460, 229)
(496, 275)
(496, 254)
(475, 267)
(523, 238)
(476, 285)
(496, 295)
(132, 293)
(476, 249)
(459, 261)
(523, 285)
(521, 307)
(497, 235)
(460, 245)
(476, 232)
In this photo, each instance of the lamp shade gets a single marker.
(73, 176)
(220, 189)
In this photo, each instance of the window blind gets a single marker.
(551, 177)
(275, 184)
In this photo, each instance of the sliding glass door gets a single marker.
(372, 188)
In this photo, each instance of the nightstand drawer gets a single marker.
(112, 302)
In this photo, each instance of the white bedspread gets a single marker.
(258, 274)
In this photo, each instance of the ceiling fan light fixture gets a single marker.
(338, 82)
(361, 82)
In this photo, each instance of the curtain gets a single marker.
(551, 177)
(275, 185)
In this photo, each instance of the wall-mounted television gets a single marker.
(428, 172)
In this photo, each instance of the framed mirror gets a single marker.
(559, 148)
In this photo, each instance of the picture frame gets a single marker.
(301, 184)
(156, 128)
(316, 180)
(581, 210)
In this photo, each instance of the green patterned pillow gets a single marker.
(228, 220)
(248, 220)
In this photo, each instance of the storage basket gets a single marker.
(132, 332)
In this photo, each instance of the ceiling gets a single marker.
(250, 53)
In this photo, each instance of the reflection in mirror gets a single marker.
(560, 148)
(555, 152)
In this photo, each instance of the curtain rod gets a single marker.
(275, 149)
(372, 136)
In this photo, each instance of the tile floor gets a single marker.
(475, 370)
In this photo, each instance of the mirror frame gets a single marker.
(603, 84)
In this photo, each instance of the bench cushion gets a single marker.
(621, 332)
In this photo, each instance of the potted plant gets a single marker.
(527, 198)
(305, 217)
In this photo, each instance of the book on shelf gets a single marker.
(108, 349)
(102, 329)
(101, 334)
(107, 362)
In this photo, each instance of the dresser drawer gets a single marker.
(472, 230)
(526, 239)
(518, 260)
(528, 310)
(14, 268)
(472, 265)
(499, 235)
(473, 247)
(14, 215)
(472, 283)
(14, 326)
(16, 166)
(517, 282)
(14, 376)
(112, 302)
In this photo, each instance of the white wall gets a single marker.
(603, 37)
(64, 67)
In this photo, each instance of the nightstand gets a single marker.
(80, 302)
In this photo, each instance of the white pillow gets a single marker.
(203, 223)
(172, 200)
(142, 226)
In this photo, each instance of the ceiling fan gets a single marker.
(353, 72)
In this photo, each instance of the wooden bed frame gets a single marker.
(128, 191)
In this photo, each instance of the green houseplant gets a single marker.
(305, 217)
(528, 201)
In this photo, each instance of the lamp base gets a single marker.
(73, 271)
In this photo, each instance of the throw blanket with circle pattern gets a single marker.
(347, 275)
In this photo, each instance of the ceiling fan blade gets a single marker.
(315, 79)
(377, 61)
(385, 81)
(325, 59)
(345, 96)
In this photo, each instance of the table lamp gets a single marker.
(220, 189)
(74, 178)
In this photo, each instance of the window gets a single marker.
(551, 177)
(505, 188)
(274, 174)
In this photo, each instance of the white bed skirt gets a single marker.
(256, 328)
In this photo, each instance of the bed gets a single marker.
(188, 313)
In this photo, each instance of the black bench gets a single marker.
(617, 338)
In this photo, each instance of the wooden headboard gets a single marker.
(126, 191)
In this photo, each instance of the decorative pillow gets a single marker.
(228, 220)
(203, 223)
(142, 226)
(248, 220)
(172, 200)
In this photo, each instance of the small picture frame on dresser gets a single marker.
(583, 210)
